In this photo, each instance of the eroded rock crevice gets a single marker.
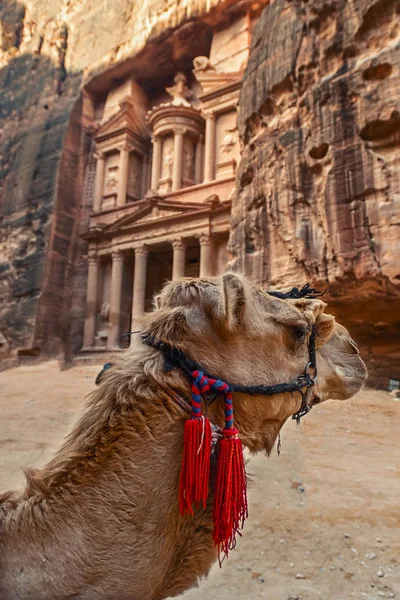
(59, 61)
(332, 192)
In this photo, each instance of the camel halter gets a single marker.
(201, 437)
(176, 359)
(230, 496)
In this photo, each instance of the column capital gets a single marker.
(205, 239)
(117, 255)
(141, 250)
(179, 244)
(93, 258)
(179, 130)
(99, 155)
(208, 114)
(125, 146)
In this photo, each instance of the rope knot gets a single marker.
(231, 433)
(205, 384)
(230, 499)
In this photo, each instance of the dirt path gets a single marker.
(324, 516)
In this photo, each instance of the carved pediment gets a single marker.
(151, 210)
(124, 121)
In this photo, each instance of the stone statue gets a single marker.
(229, 140)
(105, 311)
(102, 333)
(179, 92)
(168, 164)
(112, 180)
(202, 63)
(188, 162)
(134, 180)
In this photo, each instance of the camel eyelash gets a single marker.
(299, 332)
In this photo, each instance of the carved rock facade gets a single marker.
(318, 187)
(108, 184)
(74, 92)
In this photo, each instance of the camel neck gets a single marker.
(108, 503)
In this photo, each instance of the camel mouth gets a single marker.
(348, 373)
(354, 374)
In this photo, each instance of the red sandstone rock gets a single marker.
(319, 122)
(48, 51)
(318, 189)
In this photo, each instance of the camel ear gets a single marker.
(233, 299)
(325, 326)
(311, 308)
(166, 324)
(157, 301)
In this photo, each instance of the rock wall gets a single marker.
(49, 49)
(34, 119)
(318, 188)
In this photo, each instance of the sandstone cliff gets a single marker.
(318, 187)
(49, 49)
(318, 190)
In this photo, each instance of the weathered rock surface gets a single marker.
(34, 121)
(48, 50)
(318, 189)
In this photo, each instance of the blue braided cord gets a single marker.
(196, 397)
(202, 383)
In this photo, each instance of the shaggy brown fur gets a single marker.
(101, 521)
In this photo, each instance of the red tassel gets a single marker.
(195, 471)
(230, 501)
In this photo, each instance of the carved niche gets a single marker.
(111, 183)
(167, 163)
(189, 150)
(227, 150)
(135, 176)
(179, 117)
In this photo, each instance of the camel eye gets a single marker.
(299, 332)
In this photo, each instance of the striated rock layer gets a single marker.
(49, 51)
(318, 187)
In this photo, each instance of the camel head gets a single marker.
(242, 335)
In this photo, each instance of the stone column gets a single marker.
(115, 299)
(178, 159)
(178, 265)
(209, 157)
(123, 174)
(156, 165)
(206, 255)
(198, 165)
(139, 283)
(91, 300)
(99, 182)
(145, 176)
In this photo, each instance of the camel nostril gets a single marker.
(354, 346)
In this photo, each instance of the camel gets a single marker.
(101, 520)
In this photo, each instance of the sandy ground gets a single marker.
(324, 516)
